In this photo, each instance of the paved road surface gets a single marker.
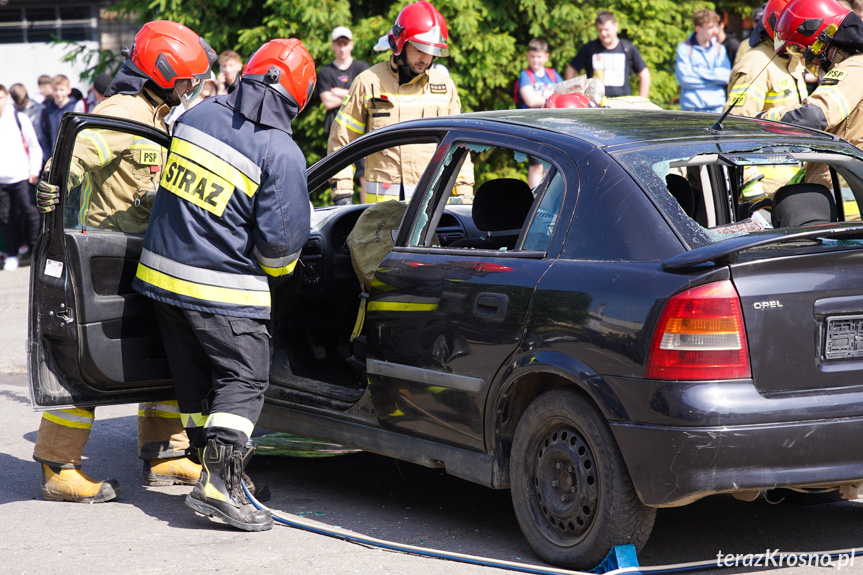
(149, 530)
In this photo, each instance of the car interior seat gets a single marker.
(681, 189)
(498, 205)
(797, 205)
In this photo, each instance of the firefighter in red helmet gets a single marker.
(118, 175)
(210, 250)
(828, 39)
(406, 87)
(761, 80)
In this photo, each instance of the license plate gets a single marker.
(844, 337)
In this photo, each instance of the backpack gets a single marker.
(20, 130)
(548, 72)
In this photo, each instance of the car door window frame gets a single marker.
(443, 177)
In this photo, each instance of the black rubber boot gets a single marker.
(218, 492)
(259, 492)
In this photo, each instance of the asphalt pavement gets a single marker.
(149, 530)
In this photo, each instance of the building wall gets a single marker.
(27, 29)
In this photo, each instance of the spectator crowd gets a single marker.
(704, 67)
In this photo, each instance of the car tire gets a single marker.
(570, 487)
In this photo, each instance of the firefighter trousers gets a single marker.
(63, 434)
(221, 366)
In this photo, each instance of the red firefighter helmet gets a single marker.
(567, 101)
(806, 27)
(287, 67)
(166, 52)
(421, 25)
(772, 10)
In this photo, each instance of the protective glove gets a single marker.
(47, 196)
(343, 201)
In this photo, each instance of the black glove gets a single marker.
(343, 201)
(47, 196)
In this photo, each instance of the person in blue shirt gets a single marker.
(703, 68)
(532, 90)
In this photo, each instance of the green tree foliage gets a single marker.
(488, 38)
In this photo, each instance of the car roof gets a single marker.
(619, 127)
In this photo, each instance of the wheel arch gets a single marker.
(526, 379)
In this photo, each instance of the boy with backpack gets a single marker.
(531, 88)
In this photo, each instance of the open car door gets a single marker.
(92, 339)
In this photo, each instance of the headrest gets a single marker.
(501, 204)
(797, 205)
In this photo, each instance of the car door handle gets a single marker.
(490, 306)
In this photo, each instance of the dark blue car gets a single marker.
(675, 310)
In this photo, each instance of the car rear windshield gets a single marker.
(710, 192)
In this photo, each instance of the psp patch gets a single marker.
(834, 77)
(149, 158)
(437, 88)
(196, 184)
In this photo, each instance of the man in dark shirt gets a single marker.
(611, 60)
(334, 80)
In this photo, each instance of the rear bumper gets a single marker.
(688, 441)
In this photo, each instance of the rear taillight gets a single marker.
(700, 336)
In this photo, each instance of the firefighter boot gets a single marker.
(218, 492)
(173, 471)
(259, 492)
(60, 484)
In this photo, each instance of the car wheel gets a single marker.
(571, 491)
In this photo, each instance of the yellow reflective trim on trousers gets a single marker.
(192, 420)
(196, 184)
(102, 148)
(835, 94)
(201, 291)
(350, 123)
(167, 410)
(400, 306)
(75, 418)
(278, 272)
(231, 421)
(215, 164)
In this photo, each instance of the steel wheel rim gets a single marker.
(565, 484)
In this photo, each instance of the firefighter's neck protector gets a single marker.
(256, 102)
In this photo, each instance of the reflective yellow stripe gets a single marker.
(201, 291)
(192, 420)
(739, 93)
(231, 421)
(835, 94)
(197, 184)
(400, 306)
(215, 164)
(102, 148)
(167, 410)
(277, 272)
(76, 418)
(350, 123)
(775, 98)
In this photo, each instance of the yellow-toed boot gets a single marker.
(59, 484)
(176, 470)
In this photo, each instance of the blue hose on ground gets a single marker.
(614, 564)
